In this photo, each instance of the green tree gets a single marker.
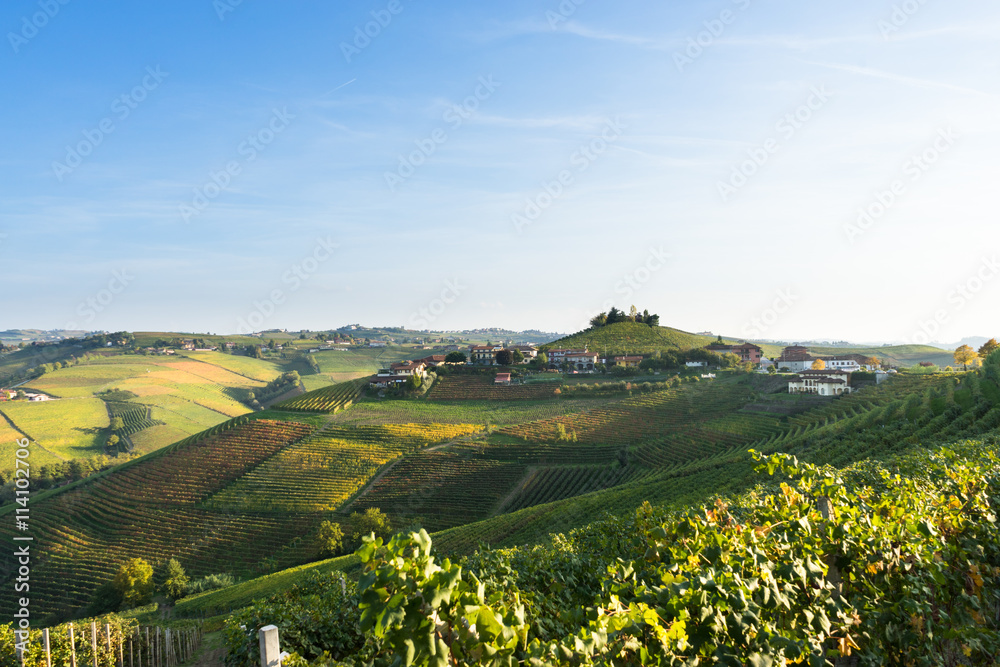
(372, 521)
(505, 358)
(175, 580)
(599, 320)
(517, 356)
(414, 382)
(134, 582)
(113, 441)
(455, 358)
(989, 347)
(117, 424)
(330, 539)
(964, 355)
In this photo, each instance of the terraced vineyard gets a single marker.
(247, 498)
(546, 485)
(321, 472)
(135, 417)
(906, 412)
(482, 387)
(328, 399)
(441, 489)
(148, 509)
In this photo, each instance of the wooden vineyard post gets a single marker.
(47, 647)
(270, 651)
(107, 638)
(149, 654)
(72, 647)
(93, 641)
(131, 656)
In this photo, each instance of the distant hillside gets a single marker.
(897, 355)
(631, 338)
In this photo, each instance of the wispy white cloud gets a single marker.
(903, 79)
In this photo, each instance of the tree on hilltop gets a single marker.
(599, 320)
(964, 355)
(989, 347)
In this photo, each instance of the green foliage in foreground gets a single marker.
(898, 564)
(59, 644)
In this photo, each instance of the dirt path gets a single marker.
(211, 653)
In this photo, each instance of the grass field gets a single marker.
(188, 393)
(260, 370)
(69, 428)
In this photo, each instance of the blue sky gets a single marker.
(206, 166)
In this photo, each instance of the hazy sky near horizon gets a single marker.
(781, 170)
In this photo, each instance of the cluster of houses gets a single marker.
(398, 373)
(831, 380)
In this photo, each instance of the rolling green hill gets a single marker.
(905, 415)
(631, 338)
(478, 471)
(896, 355)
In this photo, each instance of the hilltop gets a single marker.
(631, 338)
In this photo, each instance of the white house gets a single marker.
(822, 383)
(697, 364)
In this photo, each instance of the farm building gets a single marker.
(794, 358)
(823, 383)
(627, 362)
(502, 378)
(485, 355)
(745, 351)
